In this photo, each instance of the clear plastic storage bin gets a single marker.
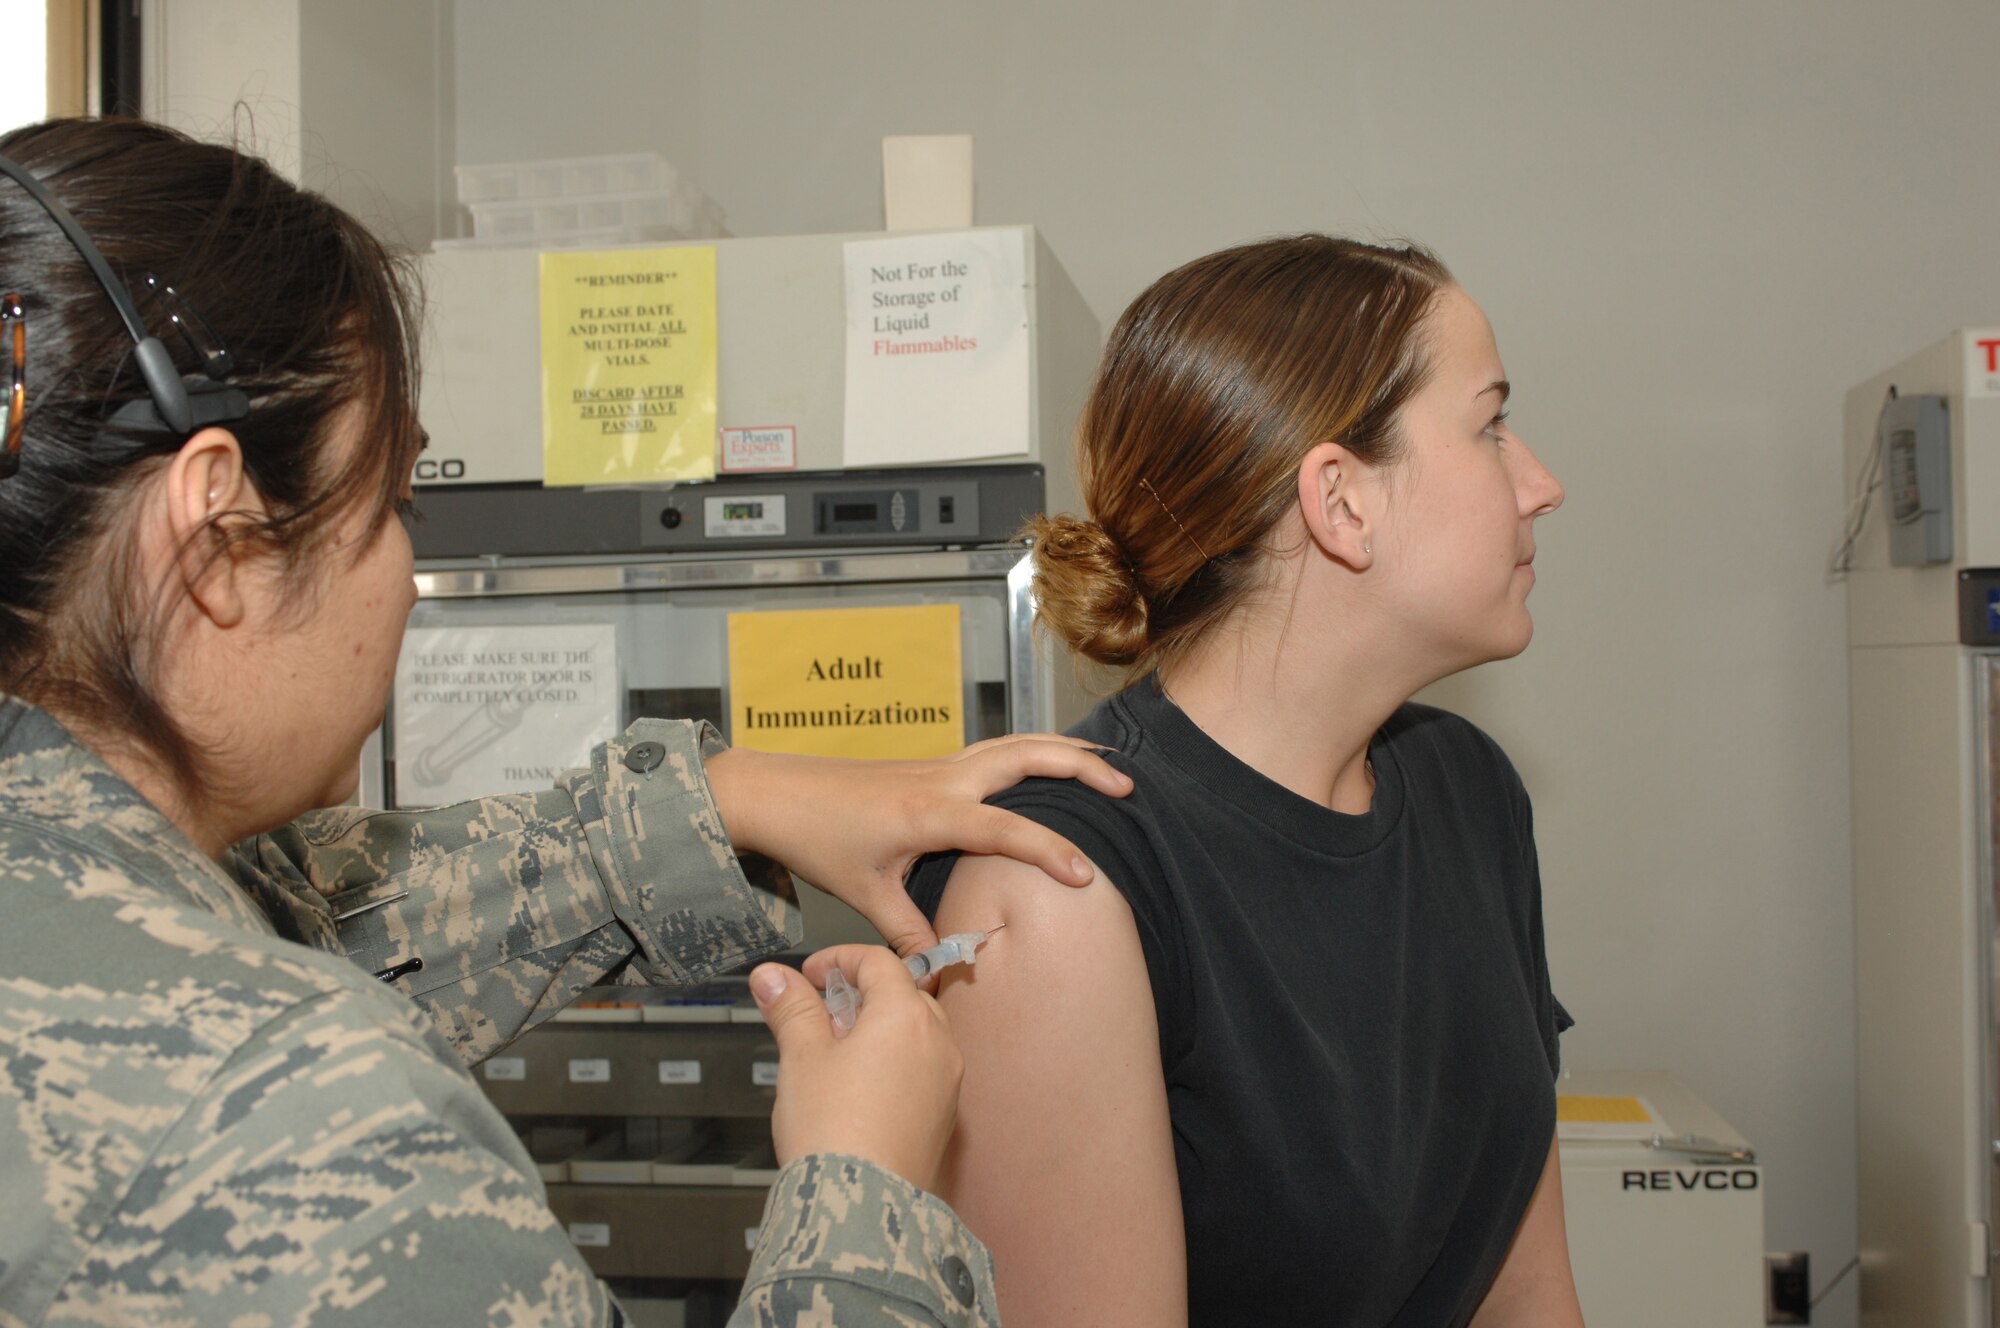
(606, 239)
(675, 215)
(558, 177)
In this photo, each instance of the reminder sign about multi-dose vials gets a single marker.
(504, 708)
(937, 347)
(628, 365)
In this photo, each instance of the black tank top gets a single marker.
(1356, 1024)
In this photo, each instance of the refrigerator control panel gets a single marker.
(959, 506)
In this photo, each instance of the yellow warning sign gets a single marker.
(882, 682)
(628, 365)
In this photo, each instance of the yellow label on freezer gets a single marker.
(885, 682)
(628, 366)
(1588, 1109)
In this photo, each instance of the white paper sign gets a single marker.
(594, 1071)
(590, 1235)
(937, 348)
(507, 1068)
(764, 1074)
(680, 1072)
(500, 709)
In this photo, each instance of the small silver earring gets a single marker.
(1368, 548)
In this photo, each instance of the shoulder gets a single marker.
(334, 1137)
(1048, 923)
(1117, 835)
(353, 1054)
(1054, 929)
(89, 861)
(1426, 738)
(148, 1054)
(125, 982)
(1087, 965)
(40, 850)
(132, 930)
(1114, 833)
(1069, 965)
(1065, 803)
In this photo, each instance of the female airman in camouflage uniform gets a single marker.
(210, 1112)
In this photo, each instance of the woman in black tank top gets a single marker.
(1291, 1060)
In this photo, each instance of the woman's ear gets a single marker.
(1336, 499)
(205, 481)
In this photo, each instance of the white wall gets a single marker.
(349, 97)
(374, 82)
(225, 70)
(1694, 226)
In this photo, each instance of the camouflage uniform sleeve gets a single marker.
(846, 1242)
(517, 903)
(335, 1167)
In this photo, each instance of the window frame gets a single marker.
(72, 76)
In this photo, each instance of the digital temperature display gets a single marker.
(743, 516)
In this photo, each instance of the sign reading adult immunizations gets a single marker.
(885, 682)
(628, 366)
(937, 347)
(500, 709)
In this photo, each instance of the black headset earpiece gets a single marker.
(175, 405)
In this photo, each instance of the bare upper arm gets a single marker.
(1534, 1285)
(1063, 1160)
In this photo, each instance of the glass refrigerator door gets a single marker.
(510, 676)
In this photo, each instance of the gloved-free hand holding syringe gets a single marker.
(843, 1001)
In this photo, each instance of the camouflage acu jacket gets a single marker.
(210, 1113)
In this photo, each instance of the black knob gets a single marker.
(670, 517)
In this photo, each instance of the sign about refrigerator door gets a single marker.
(628, 366)
(937, 347)
(500, 709)
(884, 682)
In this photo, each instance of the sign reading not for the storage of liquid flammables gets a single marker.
(937, 348)
(883, 682)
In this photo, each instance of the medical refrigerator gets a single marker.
(1922, 573)
(889, 602)
(847, 582)
(515, 664)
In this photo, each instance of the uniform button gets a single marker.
(958, 1277)
(644, 757)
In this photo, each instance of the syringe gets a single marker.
(843, 1000)
(959, 948)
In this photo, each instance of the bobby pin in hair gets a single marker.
(1147, 485)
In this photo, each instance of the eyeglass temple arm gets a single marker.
(156, 365)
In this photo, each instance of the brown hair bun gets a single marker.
(1085, 592)
(1215, 383)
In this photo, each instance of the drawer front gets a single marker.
(661, 1230)
(723, 1070)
